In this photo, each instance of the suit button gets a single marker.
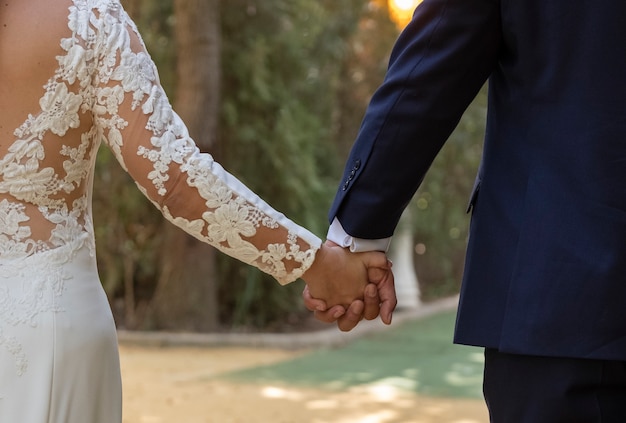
(346, 185)
(356, 166)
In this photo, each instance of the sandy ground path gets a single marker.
(179, 385)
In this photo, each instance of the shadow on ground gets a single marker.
(416, 356)
(407, 373)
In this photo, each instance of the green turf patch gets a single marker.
(416, 356)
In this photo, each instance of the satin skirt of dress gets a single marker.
(59, 359)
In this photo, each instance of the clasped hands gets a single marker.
(346, 287)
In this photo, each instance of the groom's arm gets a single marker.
(437, 66)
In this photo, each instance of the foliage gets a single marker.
(281, 62)
(125, 225)
(125, 222)
(362, 70)
(439, 209)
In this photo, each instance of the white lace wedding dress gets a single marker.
(58, 347)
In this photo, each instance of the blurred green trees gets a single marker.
(295, 78)
(439, 215)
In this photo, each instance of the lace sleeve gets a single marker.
(134, 118)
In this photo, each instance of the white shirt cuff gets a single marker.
(339, 236)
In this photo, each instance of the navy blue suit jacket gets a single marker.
(546, 260)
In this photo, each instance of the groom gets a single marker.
(544, 289)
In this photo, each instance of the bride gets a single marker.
(76, 74)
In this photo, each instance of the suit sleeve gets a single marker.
(437, 66)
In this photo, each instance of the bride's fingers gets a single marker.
(372, 302)
(352, 317)
(312, 304)
(331, 315)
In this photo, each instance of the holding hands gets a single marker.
(345, 287)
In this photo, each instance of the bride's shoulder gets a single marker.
(33, 16)
(30, 30)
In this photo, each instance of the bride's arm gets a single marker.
(136, 121)
(149, 139)
(133, 116)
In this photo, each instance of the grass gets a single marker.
(416, 356)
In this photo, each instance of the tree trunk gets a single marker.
(186, 294)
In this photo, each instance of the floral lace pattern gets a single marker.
(100, 74)
(106, 88)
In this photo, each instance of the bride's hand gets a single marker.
(377, 298)
(338, 276)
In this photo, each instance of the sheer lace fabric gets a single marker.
(106, 89)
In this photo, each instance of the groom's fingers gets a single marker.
(375, 259)
(353, 316)
(383, 278)
(372, 302)
(388, 299)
